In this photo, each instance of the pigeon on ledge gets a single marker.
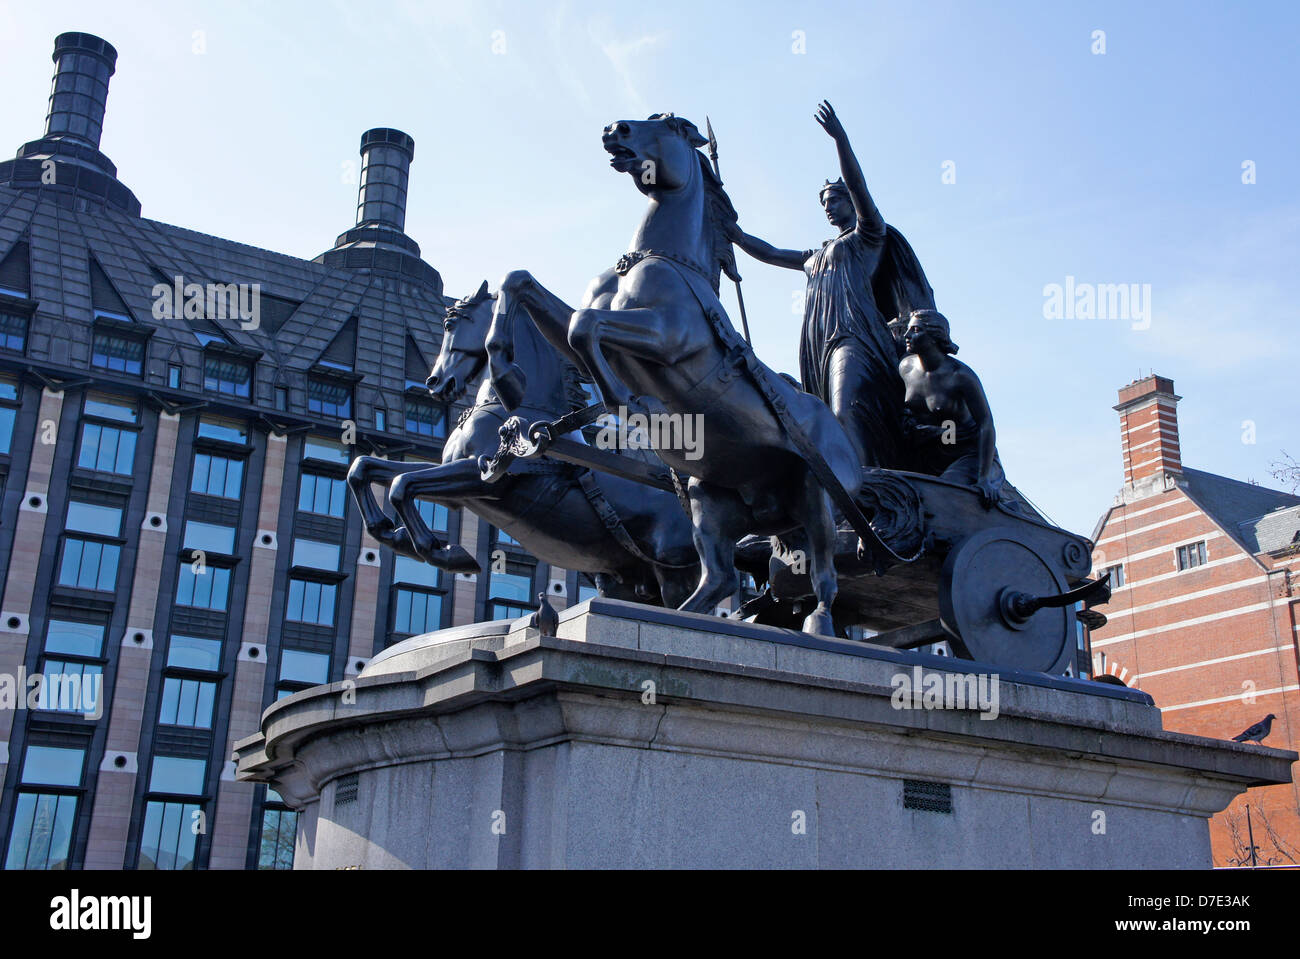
(546, 619)
(1257, 732)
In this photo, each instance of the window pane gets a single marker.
(120, 354)
(53, 766)
(417, 612)
(92, 518)
(209, 537)
(42, 831)
(7, 414)
(298, 666)
(329, 399)
(107, 448)
(71, 687)
(111, 408)
(317, 555)
(206, 590)
(187, 702)
(314, 447)
(279, 827)
(435, 515)
(311, 602)
(89, 565)
(508, 610)
(13, 332)
(169, 836)
(191, 652)
(226, 375)
(171, 774)
(322, 494)
(223, 430)
(424, 417)
(75, 639)
(511, 586)
(408, 570)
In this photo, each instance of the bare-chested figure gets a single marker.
(947, 423)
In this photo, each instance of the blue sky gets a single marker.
(1122, 167)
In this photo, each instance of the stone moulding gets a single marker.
(735, 706)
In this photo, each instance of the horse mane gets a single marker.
(573, 396)
(719, 214)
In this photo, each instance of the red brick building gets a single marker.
(1205, 614)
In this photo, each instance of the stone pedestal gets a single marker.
(645, 738)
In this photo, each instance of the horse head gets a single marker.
(659, 153)
(690, 213)
(464, 345)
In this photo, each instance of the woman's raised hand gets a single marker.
(829, 121)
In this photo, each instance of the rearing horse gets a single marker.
(558, 512)
(654, 337)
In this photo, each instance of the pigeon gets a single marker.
(1257, 732)
(546, 619)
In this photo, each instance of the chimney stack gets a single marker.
(386, 157)
(1148, 417)
(83, 65)
(378, 242)
(65, 165)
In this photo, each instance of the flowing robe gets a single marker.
(847, 354)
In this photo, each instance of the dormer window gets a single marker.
(329, 398)
(13, 331)
(227, 374)
(118, 352)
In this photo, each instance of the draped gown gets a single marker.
(847, 354)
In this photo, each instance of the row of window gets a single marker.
(121, 352)
(191, 680)
(1187, 556)
(118, 351)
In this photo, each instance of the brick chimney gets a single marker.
(1148, 422)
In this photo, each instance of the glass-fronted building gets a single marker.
(178, 546)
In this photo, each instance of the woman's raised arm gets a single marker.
(870, 222)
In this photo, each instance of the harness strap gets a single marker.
(610, 518)
(762, 377)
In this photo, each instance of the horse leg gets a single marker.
(448, 482)
(643, 333)
(550, 314)
(717, 515)
(366, 470)
(819, 525)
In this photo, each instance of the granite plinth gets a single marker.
(645, 738)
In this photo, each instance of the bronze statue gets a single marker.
(634, 542)
(966, 556)
(857, 283)
(947, 424)
(654, 337)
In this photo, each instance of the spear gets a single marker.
(713, 158)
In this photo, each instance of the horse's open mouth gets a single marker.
(619, 153)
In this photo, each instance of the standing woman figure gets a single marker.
(857, 282)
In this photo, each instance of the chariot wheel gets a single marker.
(1002, 602)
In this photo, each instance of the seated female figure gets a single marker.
(947, 424)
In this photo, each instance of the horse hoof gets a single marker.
(819, 623)
(457, 559)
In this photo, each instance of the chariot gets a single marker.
(1000, 584)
